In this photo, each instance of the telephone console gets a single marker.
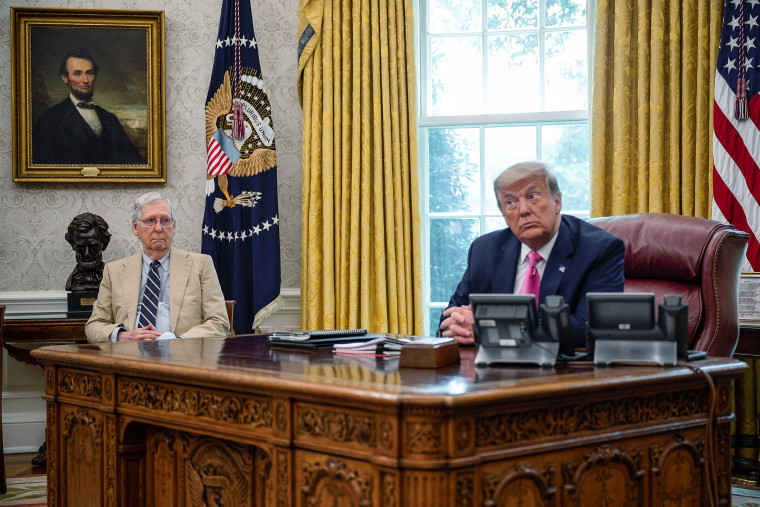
(621, 328)
(507, 329)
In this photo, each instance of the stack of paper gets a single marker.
(382, 345)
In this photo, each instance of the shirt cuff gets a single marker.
(115, 333)
(166, 335)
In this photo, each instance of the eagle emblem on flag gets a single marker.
(248, 153)
(240, 219)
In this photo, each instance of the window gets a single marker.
(501, 81)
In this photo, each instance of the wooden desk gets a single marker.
(190, 421)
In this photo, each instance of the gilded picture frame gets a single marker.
(88, 90)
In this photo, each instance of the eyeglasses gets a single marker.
(164, 221)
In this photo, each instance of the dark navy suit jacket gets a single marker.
(62, 136)
(584, 259)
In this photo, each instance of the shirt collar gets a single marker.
(544, 251)
(164, 261)
(74, 99)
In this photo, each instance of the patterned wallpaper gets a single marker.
(34, 256)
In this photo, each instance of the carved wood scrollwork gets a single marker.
(108, 389)
(603, 476)
(557, 421)
(387, 435)
(52, 453)
(388, 490)
(724, 462)
(336, 426)
(82, 416)
(677, 472)
(463, 434)
(226, 408)
(724, 397)
(110, 459)
(424, 437)
(50, 380)
(465, 487)
(281, 417)
(263, 465)
(521, 485)
(161, 471)
(82, 465)
(80, 384)
(332, 482)
(218, 474)
(193, 471)
(283, 475)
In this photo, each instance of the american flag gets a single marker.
(736, 133)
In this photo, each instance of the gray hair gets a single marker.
(523, 170)
(150, 198)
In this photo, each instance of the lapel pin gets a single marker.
(562, 269)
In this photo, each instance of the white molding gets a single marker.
(23, 434)
(27, 394)
(53, 303)
(34, 304)
(292, 301)
(26, 417)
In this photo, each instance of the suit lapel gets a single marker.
(179, 272)
(505, 266)
(558, 263)
(77, 125)
(130, 272)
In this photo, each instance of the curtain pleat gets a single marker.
(361, 260)
(651, 115)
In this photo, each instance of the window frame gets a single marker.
(426, 122)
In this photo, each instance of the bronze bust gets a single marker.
(88, 235)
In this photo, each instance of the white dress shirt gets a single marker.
(522, 267)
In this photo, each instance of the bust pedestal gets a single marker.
(80, 303)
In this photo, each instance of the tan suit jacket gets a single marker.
(196, 302)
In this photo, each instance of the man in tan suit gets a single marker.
(189, 302)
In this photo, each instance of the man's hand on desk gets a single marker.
(139, 334)
(458, 324)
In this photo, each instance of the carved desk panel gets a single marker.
(235, 422)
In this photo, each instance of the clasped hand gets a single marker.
(140, 334)
(458, 324)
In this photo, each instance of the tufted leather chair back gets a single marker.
(697, 258)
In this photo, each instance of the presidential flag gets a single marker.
(241, 222)
(736, 125)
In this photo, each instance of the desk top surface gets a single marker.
(248, 363)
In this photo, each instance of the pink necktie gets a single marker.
(532, 282)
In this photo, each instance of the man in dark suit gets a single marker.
(77, 131)
(575, 257)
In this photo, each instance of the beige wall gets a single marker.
(34, 256)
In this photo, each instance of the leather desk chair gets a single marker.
(697, 258)
(230, 305)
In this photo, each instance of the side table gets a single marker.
(745, 438)
(21, 336)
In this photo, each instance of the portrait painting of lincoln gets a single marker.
(89, 96)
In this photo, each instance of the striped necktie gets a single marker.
(150, 297)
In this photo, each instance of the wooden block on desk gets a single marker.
(429, 353)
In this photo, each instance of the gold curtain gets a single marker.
(651, 114)
(360, 240)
